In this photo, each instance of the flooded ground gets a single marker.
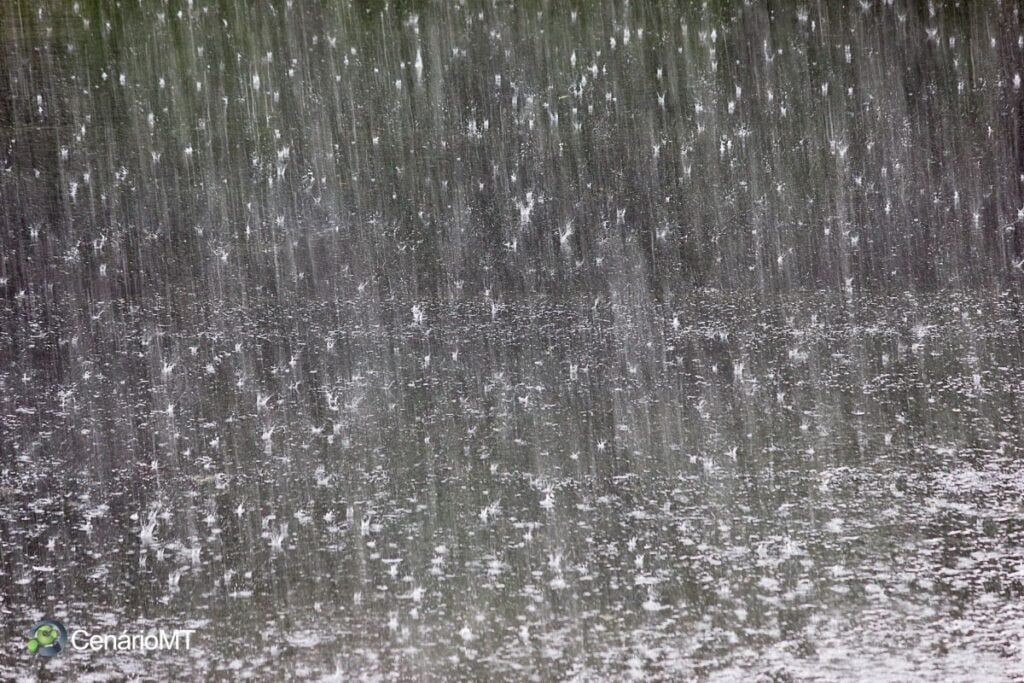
(813, 488)
(513, 341)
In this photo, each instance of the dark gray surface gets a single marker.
(512, 341)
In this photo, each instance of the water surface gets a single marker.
(514, 341)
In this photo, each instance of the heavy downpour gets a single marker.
(482, 340)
